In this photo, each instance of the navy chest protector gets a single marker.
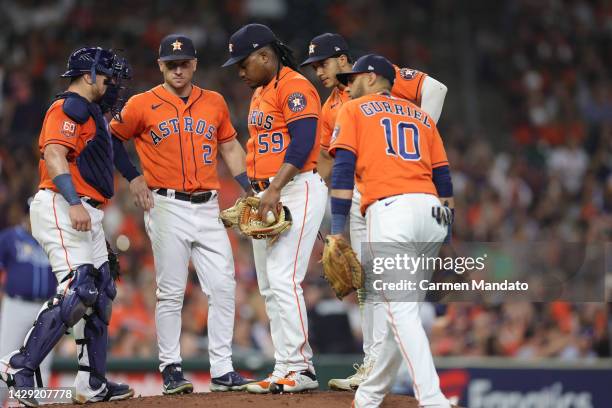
(95, 162)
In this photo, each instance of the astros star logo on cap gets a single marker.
(176, 45)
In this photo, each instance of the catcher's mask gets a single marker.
(97, 60)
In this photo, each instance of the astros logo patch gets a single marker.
(335, 134)
(408, 73)
(297, 102)
(68, 129)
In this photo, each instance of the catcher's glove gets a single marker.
(341, 268)
(113, 262)
(244, 215)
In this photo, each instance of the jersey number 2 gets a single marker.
(207, 153)
(400, 139)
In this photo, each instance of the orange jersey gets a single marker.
(273, 107)
(58, 128)
(396, 143)
(408, 85)
(177, 141)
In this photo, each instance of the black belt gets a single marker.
(93, 203)
(259, 185)
(195, 198)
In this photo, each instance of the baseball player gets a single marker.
(76, 179)
(328, 55)
(395, 152)
(282, 153)
(29, 282)
(178, 129)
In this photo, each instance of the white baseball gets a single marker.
(270, 218)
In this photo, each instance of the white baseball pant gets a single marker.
(281, 268)
(180, 231)
(373, 329)
(67, 249)
(404, 218)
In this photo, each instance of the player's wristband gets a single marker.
(243, 180)
(340, 208)
(64, 184)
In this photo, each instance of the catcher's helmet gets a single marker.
(92, 60)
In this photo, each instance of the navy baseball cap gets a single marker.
(325, 46)
(176, 47)
(249, 38)
(370, 63)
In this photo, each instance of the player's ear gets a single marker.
(195, 63)
(160, 63)
(372, 78)
(87, 79)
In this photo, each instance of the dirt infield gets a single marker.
(318, 399)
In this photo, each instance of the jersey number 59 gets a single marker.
(400, 138)
(270, 142)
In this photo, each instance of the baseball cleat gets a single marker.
(352, 382)
(263, 386)
(295, 381)
(231, 381)
(174, 382)
(113, 392)
(20, 380)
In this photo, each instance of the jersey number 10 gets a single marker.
(400, 139)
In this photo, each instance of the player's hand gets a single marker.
(143, 197)
(269, 202)
(79, 217)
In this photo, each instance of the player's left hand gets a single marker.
(269, 202)
(142, 195)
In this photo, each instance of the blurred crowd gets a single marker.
(536, 166)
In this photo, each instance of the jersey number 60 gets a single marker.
(400, 139)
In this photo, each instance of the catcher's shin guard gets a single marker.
(92, 336)
(56, 316)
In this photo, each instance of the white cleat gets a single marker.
(295, 381)
(352, 382)
(263, 386)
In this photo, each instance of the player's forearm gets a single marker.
(285, 174)
(343, 180)
(432, 99)
(122, 160)
(59, 172)
(234, 156)
(324, 165)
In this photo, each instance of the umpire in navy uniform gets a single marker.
(29, 282)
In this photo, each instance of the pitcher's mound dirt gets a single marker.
(317, 399)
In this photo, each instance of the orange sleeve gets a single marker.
(226, 131)
(438, 153)
(345, 131)
(131, 120)
(408, 84)
(299, 100)
(60, 129)
(327, 125)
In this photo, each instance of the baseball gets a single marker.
(270, 218)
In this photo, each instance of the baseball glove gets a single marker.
(244, 215)
(341, 268)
